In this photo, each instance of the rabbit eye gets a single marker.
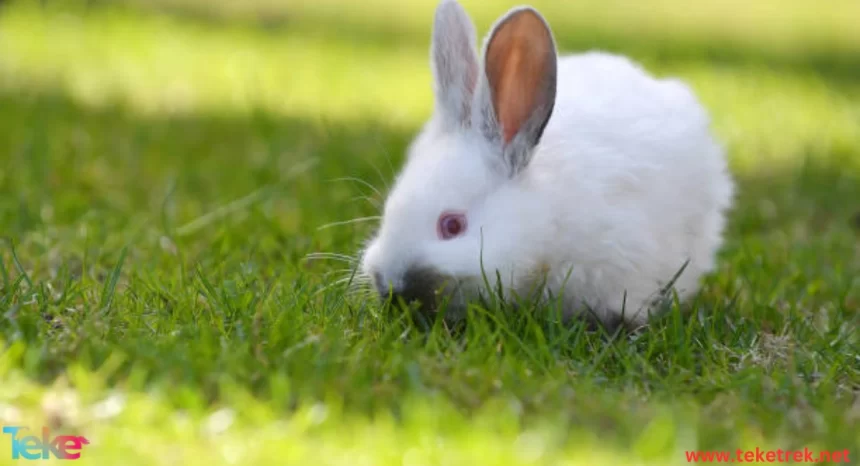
(451, 225)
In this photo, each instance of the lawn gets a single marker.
(171, 170)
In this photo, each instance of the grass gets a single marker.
(165, 172)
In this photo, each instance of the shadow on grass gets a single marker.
(56, 150)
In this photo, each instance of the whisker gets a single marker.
(373, 202)
(362, 296)
(352, 277)
(362, 182)
(323, 255)
(387, 153)
(331, 256)
(350, 222)
(381, 177)
(327, 287)
(344, 273)
(390, 165)
(351, 272)
(358, 278)
(358, 288)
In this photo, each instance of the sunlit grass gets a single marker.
(162, 65)
(137, 429)
(770, 25)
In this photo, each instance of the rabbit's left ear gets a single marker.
(516, 96)
(454, 61)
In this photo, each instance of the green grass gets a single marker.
(164, 174)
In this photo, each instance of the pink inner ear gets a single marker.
(518, 62)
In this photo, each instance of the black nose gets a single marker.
(382, 286)
(416, 285)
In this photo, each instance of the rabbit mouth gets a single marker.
(427, 289)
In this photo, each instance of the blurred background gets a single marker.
(754, 63)
(781, 78)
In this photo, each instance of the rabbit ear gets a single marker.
(455, 63)
(518, 87)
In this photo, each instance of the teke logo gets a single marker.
(64, 447)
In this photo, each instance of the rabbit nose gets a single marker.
(415, 285)
(383, 287)
(387, 287)
(395, 290)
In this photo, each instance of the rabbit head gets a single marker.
(459, 211)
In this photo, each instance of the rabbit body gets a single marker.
(633, 184)
(588, 176)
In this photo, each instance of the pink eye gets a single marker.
(451, 225)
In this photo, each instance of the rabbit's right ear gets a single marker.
(454, 62)
(516, 97)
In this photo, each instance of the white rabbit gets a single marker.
(582, 173)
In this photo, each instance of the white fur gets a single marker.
(626, 184)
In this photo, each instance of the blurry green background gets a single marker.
(168, 168)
